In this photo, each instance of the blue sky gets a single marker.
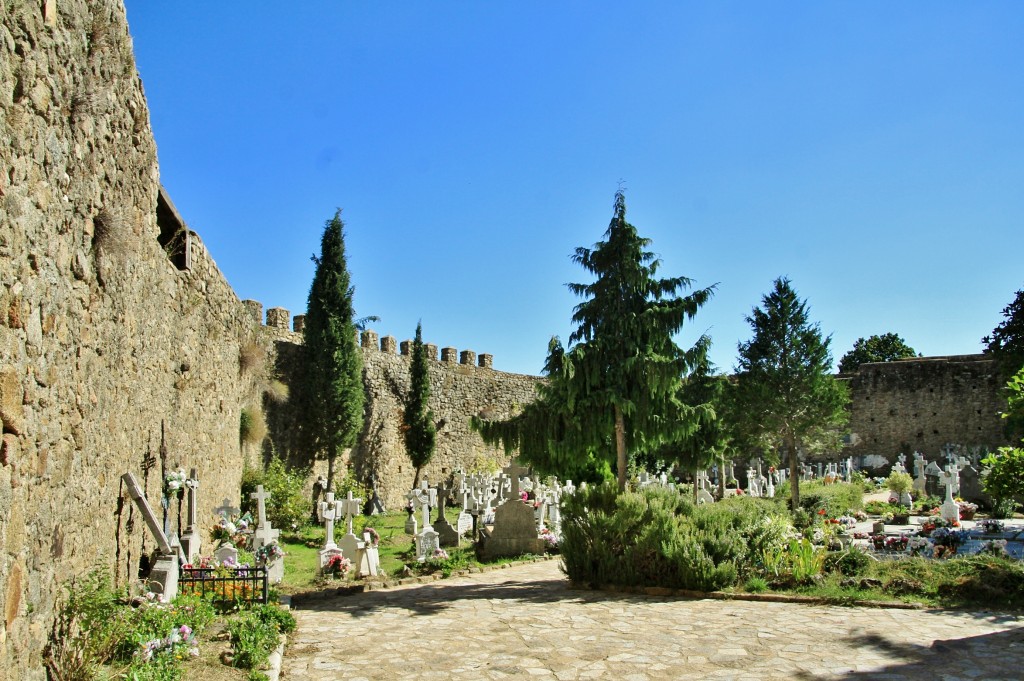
(870, 151)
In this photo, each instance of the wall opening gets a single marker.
(175, 237)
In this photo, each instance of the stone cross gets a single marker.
(513, 470)
(164, 574)
(261, 504)
(135, 492)
(264, 534)
(444, 493)
(423, 498)
(949, 510)
(350, 507)
(191, 538)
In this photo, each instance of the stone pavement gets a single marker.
(525, 622)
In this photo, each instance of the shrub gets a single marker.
(1005, 478)
(288, 506)
(850, 562)
(899, 483)
(837, 499)
(658, 537)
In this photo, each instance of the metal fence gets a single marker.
(226, 584)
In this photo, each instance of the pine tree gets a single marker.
(418, 424)
(615, 390)
(785, 392)
(333, 357)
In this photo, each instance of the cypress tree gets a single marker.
(786, 395)
(333, 357)
(418, 423)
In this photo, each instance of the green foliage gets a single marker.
(755, 585)
(418, 427)
(850, 562)
(1004, 480)
(350, 483)
(288, 506)
(334, 361)
(657, 537)
(614, 392)
(835, 499)
(785, 397)
(884, 348)
(97, 628)
(253, 638)
(1006, 342)
(899, 482)
(252, 427)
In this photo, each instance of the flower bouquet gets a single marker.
(337, 566)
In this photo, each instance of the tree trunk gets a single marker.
(620, 447)
(794, 474)
(331, 456)
(416, 479)
(721, 479)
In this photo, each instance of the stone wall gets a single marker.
(462, 384)
(116, 328)
(924, 404)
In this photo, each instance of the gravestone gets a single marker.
(349, 542)
(427, 540)
(191, 539)
(367, 558)
(265, 534)
(446, 534)
(226, 554)
(163, 576)
(949, 510)
(920, 479)
(703, 495)
(515, 531)
(328, 512)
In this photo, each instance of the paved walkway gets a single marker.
(525, 622)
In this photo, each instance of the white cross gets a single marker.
(350, 507)
(261, 504)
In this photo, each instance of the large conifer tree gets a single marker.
(418, 426)
(333, 357)
(786, 395)
(615, 390)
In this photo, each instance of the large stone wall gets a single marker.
(115, 324)
(462, 384)
(925, 404)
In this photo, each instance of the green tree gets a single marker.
(884, 348)
(700, 447)
(418, 425)
(615, 390)
(785, 394)
(334, 361)
(1006, 342)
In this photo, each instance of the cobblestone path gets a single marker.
(525, 622)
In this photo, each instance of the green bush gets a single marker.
(658, 537)
(288, 507)
(1004, 481)
(849, 562)
(837, 499)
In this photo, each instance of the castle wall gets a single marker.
(924, 404)
(104, 340)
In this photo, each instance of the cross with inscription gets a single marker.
(423, 498)
(350, 507)
(328, 514)
(444, 493)
(513, 471)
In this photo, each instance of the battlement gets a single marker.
(277, 319)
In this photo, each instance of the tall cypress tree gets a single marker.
(418, 426)
(333, 357)
(785, 392)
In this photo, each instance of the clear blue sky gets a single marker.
(873, 152)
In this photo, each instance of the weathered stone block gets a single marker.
(12, 395)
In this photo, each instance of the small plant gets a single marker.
(277, 391)
(900, 483)
(251, 357)
(756, 585)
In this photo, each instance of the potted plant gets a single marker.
(901, 484)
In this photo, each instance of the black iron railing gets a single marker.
(226, 584)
